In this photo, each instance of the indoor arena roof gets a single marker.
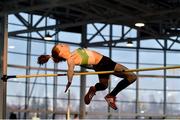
(161, 17)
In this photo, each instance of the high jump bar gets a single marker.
(89, 73)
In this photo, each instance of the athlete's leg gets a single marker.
(102, 85)
(129, 78)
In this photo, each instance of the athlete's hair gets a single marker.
(42, 59)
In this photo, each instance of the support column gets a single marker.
(3, 63)
(55, 83)
(165, 81)
(28, 55)
(110, 56)
(82, 107)
(137, 108)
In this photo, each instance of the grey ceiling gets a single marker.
(160, 16)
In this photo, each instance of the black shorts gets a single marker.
(105, 64)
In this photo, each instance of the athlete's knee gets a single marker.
(132, 77)
(101, 86)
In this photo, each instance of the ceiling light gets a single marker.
(139, 24)
(48, 37)
(11, 47)
(129, 43)
(142, 111)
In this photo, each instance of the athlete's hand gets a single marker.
(67, 86)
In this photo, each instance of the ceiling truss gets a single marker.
(159, 16)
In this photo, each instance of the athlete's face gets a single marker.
(63, 48)
(56, 53)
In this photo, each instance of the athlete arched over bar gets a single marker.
(94, 60)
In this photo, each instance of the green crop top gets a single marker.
(84, 56)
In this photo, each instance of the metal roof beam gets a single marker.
(135, 5)
(84, 11)
(113, 7)
(49, 4)
(26, 23)
(11, 1)
(60, 26)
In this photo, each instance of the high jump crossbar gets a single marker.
(89, 73)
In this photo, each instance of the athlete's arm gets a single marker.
(70, 72)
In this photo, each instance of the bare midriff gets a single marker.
(86, 57)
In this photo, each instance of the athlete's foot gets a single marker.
(111, 100)
(88, 97)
